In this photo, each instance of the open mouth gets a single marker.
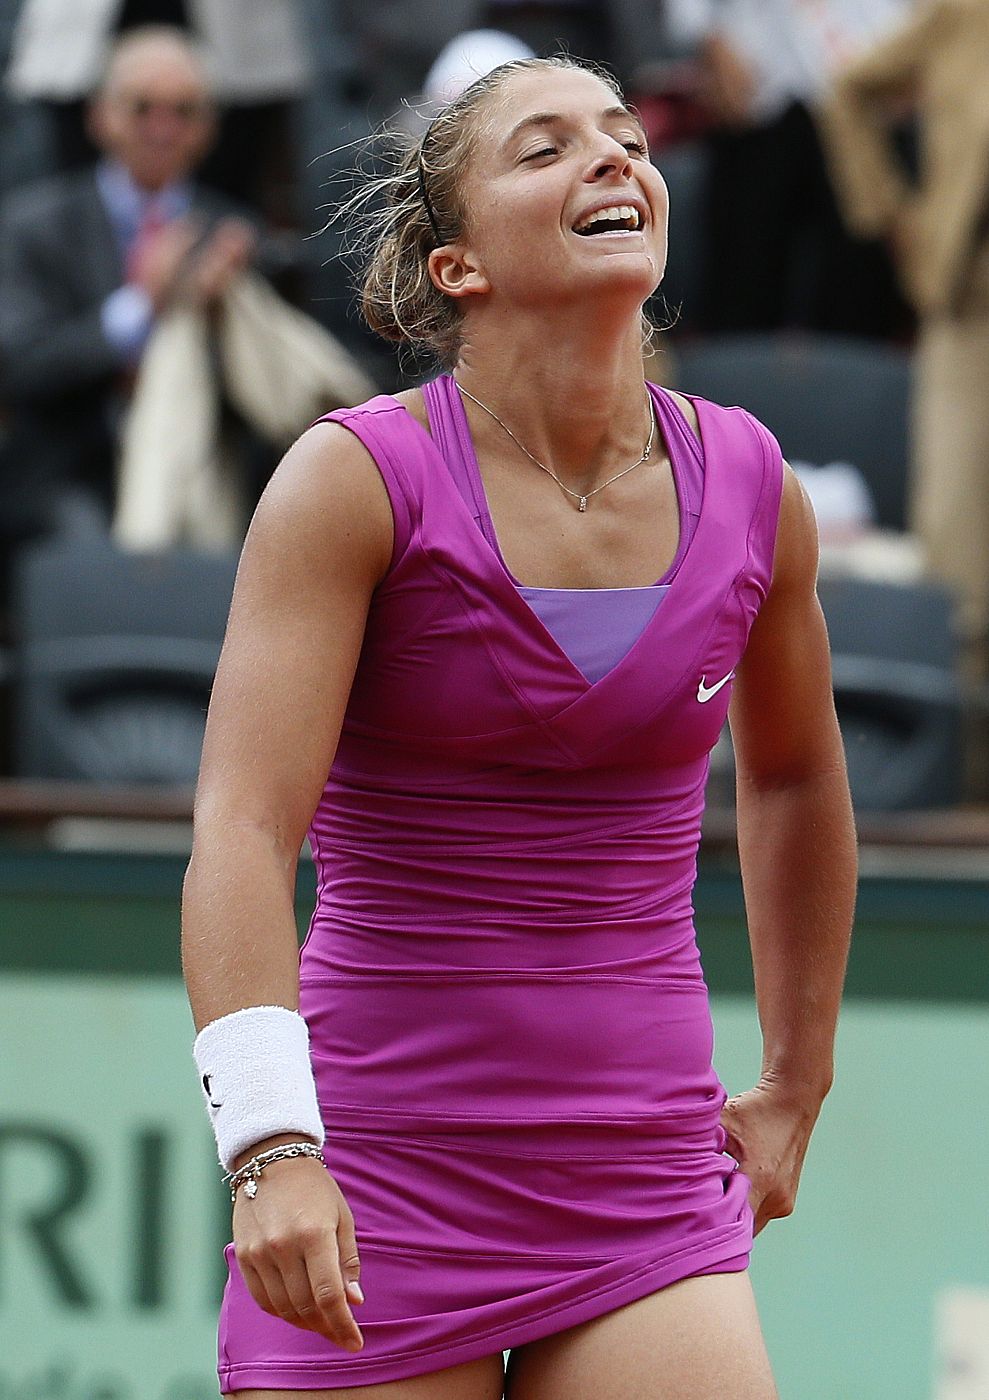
(619, 218)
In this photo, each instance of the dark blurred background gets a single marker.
(785, 291)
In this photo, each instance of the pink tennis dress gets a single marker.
(509, 1022)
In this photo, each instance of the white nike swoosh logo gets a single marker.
(704, 692)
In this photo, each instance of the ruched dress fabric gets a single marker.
(509, 1022)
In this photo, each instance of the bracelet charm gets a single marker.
(249, 1174)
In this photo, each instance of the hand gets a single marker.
(297, 1250)
(160, 263)
(767, 1134)
(223, 256)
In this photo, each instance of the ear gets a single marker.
(456, 272)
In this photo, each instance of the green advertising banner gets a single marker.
(111, 1215)
(112, 1218)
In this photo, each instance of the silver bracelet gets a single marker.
(249, 1174)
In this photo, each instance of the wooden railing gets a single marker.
(32, 804)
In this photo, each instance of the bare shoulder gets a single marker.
(796, 556)
(413, 402)
(326, 506)
(688, 410)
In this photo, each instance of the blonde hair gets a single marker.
(398, 217)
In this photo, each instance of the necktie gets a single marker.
(152, 221)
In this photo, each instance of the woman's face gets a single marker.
(553, 148)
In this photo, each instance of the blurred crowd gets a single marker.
(173, 310)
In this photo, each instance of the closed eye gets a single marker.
(637, 146)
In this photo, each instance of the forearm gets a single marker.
(797, 850)
(239, 941)
(871, 185)
(881, 85)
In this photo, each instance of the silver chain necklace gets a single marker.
(580, 499)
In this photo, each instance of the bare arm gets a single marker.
(319, 543)
(796, 842)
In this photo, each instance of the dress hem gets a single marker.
(730, 1256)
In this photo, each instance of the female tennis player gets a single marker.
(484, 636)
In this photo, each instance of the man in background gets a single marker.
(89, 261)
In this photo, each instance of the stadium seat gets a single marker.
(898, 692)
(827, 399)
(898, 695)
(113, 660)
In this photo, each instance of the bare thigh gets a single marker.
(698, 1339)
(473, 1380)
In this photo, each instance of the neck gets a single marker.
(125, 176)
(571, 392)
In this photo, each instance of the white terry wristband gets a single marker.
(256, 1078)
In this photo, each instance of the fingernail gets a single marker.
(355, 1289)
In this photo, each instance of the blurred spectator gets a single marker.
(396, 41)
(777, 253)
(469, 57)
(459, 63)
(256, 57)
(938, 224)
(99, 267)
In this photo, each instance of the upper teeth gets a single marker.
(616, 212)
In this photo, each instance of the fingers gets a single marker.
(350, 1263)
(236, 238)
(768, 1209)
(305, 1289)
(255, 1285)
(298, 1254)
(733, 1144)
(161, 264)
(223, 257)
(329, 1298)
(763, 1159)
(180, 263)
(287, 1289)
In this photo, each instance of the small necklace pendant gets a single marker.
(583, 503)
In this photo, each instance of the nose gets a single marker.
(610, 158)
(163, 126)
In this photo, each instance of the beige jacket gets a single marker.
(938, 64)
(280, 369)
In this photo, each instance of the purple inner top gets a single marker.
(595, 627)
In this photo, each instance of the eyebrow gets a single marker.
(547, 118)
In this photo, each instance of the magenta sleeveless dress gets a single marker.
(509, 1022)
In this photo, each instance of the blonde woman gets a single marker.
(483, 639)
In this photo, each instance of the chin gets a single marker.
(638, 275)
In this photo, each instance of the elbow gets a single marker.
(793, 775)
(254, 837)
